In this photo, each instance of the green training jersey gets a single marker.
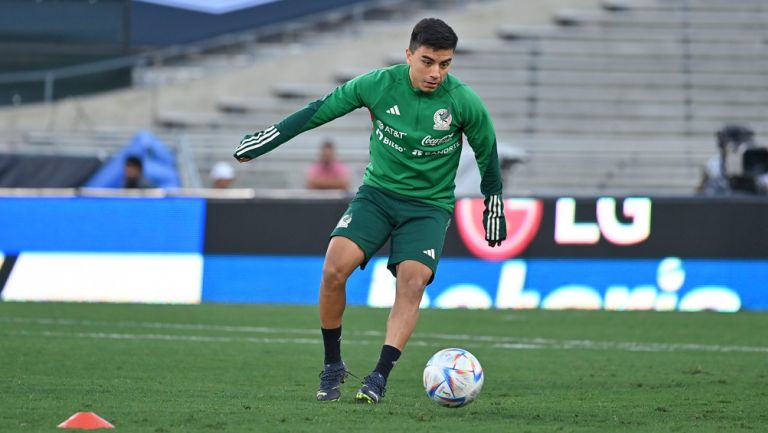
(416, 136)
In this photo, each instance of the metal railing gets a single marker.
(354, 15)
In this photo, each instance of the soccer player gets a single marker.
(419, 113)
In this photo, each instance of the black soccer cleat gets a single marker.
(373, 389)
(331, 378)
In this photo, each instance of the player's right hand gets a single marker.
(251, 145)
(240, 153)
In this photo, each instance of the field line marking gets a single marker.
(207, 338)
(165, 337)
(159, 325)
(420, 339)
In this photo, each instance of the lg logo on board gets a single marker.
(636, 209)
(524, 219)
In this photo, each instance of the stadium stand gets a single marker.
(620, 99)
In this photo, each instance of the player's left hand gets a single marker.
(494, 221)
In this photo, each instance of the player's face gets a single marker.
(131, 172)
(428, 67)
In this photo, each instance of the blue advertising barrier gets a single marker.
(287, 280)
(102, 249)
(76, 224)
(664, 284)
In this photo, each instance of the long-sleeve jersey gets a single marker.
(416, 139)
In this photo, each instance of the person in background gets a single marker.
(327, 172)
(133, 174)
(222, 175)
(726, 172)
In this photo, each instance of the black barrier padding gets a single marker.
(274, 227)
(729, 228)
(46, 171)
(5, 270)
(686, 227)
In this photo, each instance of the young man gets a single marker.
(133, 173)
(419, 113)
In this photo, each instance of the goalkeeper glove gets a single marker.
(494, 221)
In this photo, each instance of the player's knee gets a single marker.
(334, 276)
(414, 282)
(413, 275)
(417, 283)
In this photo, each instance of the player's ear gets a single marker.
(408, 55)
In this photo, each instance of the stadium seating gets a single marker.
(620, 100)
(623, 100)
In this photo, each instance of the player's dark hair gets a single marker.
(433, 33)
(134, 161)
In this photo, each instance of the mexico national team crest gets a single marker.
(344, 221)
(442, 119)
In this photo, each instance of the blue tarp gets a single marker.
(159, 164)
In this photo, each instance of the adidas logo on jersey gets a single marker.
(430, 252)
(394, 110)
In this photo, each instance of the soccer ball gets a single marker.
(453, 377)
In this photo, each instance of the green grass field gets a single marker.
(223, 368)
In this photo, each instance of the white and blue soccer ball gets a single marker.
(453, 377)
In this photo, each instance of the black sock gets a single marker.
(387, 359)
(332, 343)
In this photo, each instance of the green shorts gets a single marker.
(417, 229)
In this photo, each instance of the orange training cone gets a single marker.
(86, 421)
